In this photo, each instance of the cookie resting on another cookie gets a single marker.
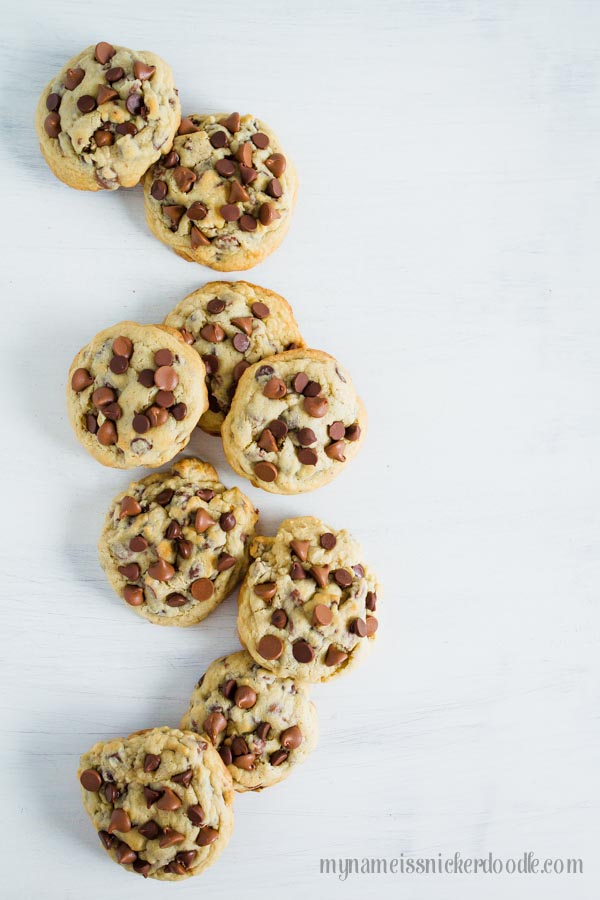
(175, 544)
(263, 726)
(107, 116)
(294, 423)
(160, 800)
(306, 607)
(224, 195)
(232, 324)
(135, 394)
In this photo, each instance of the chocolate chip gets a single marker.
(276, 164)
(202, 589)
(307, 456)
(322, 615)
(215, 306)
(142, 71)
(320, 574)
(81, 379)
(86, 104)
(174, 213)
(225, 168)
(306, 437)
(186, 126)
(266, 471)
(260, 140)
(239, 369)
(187, 336)
(202, 521)
(150, 796)
(327, 541)
(133, 595)
(105, 94)
(297, 573)
(195, 814)
(278, 757)
(107, 434)
(227, 521)
(52, 125)
(164, 399)
(312, 389)
(214, 724)
(141, 423)
(243, 154)
(232, 122)
(159, 189)
(238, 194)
(122, 346)
(179, 411)
(267, 441)
(225, 562)
(141, 867)
(74, 78)
(315, 406)
(248, 223)
(275, 389)
(302, 651)
(291, 738)
(226, 755)
(230, 212)
(119, 365)
(197, 211)
(175, 601)
(358, 627)
(170, 837)
(245, 697)
(270, 647)
(372, 625)
(299, 382)
(336, 431)
(207, 836)
(244, 323)
(157, 416)
(274, 188)
(241, 342)
(248, 174)
(336, 451)
(213, 333)
(125, 855)
(129, 507)
(91, 780)
(131, 571)
(166, 378)
(111, 793)
(245, 761)
(352, 433)
(239, 746)
(119, 821)
(91, 423)
(114, 74)
(300, 548)
(229, 688)
(184, 178)
(371, 601)
(197, 238)
(53, 102)
(266, 590)
(267, 214)
(170, 160)
(278, 428)
(218, 140)
(126, 128)
(279, 618)
(104, 51)
(146, 378)
(161, 570)
(169, 801)
(342, 577)
(134, 103)
(151, 762)
(107, 839)
(165, 496)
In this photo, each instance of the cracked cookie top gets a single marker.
(107, 116)
(232, 325)
(160, 800)
(135, 394)
(224, 194)
(263, 726)
(307, 605)
(175, 544)
(294, 423)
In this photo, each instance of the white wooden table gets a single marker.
(445, 249)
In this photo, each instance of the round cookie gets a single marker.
(107, 116)
(175, 544)
(263, 726)
(295, 421)
(160, 800)
(135, 394)
(306, 607)
(232, 324)
(224, 195)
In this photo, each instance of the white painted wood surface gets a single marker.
(445, 248)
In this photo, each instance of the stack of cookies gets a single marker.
(231, 360)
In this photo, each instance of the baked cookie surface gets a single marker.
(295, 422)
(224, 195)
(232, 324)
(175, 544)
(306, 607)
(107, 116)
(160, 800)
(263, 726)
(135, 394)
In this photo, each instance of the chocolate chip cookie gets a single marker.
(232, 324)
(307, 605)
(263, 726)
(107, 116)
(135, 394)
(224, 195)
(175, 544)
(160, 800)
(295, 422)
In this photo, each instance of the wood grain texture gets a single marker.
(444, 247)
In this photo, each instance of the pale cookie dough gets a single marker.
(263, 726)
(295, 422)
(306, 607)
(175, 544)
(232, 324)
(160, 800)
(107, 116)
(135, 394)
(224, 195)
